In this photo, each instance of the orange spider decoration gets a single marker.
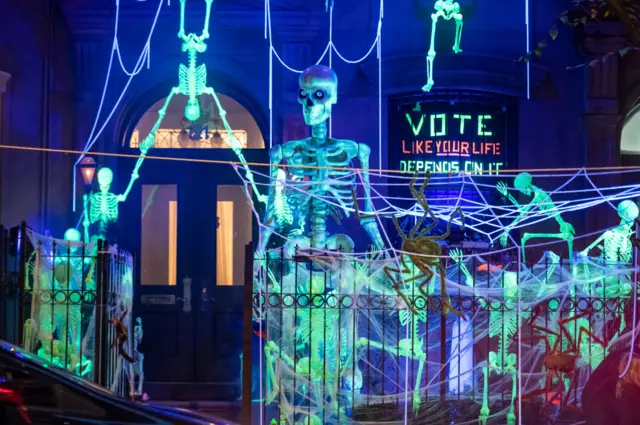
(122, 337)
(423, 250)
(560, 362)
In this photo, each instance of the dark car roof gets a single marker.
(163, 412)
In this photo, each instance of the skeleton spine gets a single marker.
(193, 56)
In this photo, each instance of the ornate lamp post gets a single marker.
(88, 171)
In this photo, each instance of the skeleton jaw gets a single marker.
(316, 114)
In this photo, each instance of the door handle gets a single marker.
(205, 298)
(186, 294)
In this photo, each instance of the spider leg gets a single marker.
(446, 301)
(399, 229)
(359, 215)
(448, 232)
(546, 337)
(396, 286)
(422, 200)
(427, 273)
(585, 331)
(545, 389)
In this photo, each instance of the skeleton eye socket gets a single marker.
(318, 94)
(302, 94)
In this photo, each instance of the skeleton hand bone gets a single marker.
(502, 188)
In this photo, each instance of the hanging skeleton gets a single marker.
(192, 82)
(447, 10)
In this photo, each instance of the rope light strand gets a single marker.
(144, 57)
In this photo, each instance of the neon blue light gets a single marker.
(143, 55)
(329, 49)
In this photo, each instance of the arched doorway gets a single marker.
(189, 223)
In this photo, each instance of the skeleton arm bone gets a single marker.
(147, 143)
(275, 158)
(235, 145)
(86, 221)
(594, 244)
(370, 225)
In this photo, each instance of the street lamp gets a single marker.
(88, 170)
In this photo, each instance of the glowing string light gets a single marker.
(93, 136)
(329, 49)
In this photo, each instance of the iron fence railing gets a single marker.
(64, 301)
(336, 345)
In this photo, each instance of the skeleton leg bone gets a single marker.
(431, 55)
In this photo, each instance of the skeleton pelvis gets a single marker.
(302, 245)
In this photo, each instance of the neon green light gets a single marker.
(443, 125)
(462, 119)
(482, 131)
(447, 10)
(416, 131)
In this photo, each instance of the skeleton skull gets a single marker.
(318, 93)
(523, 182)
(628, 211)
(105, 177)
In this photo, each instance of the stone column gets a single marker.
(602, 106)
(602, 113)
(4, 79)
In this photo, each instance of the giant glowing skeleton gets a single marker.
(325, 157)
(524, 183)
(447, 10)
(192, 82)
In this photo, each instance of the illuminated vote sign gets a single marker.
(449, 138)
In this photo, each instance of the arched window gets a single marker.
(630, 137)
(176, 132)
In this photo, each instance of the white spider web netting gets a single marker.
(540, 280)
(61, 305)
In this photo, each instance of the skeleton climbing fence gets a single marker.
(60, 300)
(337, 345)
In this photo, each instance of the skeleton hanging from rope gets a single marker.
(192, 82)
(447, 10)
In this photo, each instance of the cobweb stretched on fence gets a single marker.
(61, 305)
(529, 279)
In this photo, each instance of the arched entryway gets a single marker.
(188, 223)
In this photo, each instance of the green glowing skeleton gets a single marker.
(192, 82)
(319, 163)
(502, 322)
(101, 208)
(326, 356)
(59, 314)
(615, 248)
(524, 183)
(447, 10)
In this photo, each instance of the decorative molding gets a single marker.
(290, 25)
(4, 79)
(407, 73)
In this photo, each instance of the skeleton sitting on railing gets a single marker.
(542, 200)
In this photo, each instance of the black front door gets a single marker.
(188, 224)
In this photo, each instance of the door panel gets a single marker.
(189, 228)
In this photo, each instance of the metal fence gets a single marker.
(336, 347)
(66, 301)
